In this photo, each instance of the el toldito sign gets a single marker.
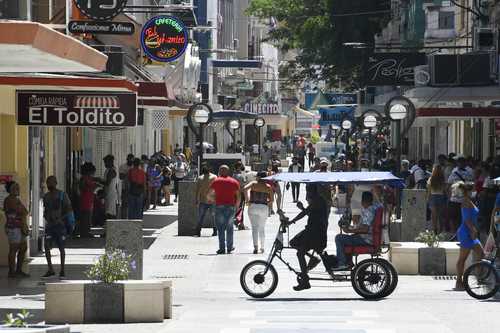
(164, 38)
(78, 109)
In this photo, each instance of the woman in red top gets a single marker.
(87, 197)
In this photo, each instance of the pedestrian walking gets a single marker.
(57, 208)
(88, 186)
(110, 187)
(137, 188)
(311, 153)
(16, 228)
(259, 197)
(461, 173)
(123, 172)
(240, 175)
(180, 171)
(436, 197)
(203, 201)
(468, 232)
(295, 167)
(165, 184)
(226, 193)
(154, 184)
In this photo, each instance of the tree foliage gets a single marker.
(317, 29)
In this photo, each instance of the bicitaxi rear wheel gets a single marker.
(259, 279)
(371, 279)
(393, 274)
(481, 280)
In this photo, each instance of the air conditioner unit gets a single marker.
(475, 69)
(444, 69)
(422, 75)
(485, 39)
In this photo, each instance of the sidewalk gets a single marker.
(208, 297)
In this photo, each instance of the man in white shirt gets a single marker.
(460, 173)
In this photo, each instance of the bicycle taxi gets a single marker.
(372, 276)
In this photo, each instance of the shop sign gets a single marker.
(108, 28)
(164, 38)
(77, 109)
(336, 98)
(262, 108)
(100, 10)
(334, 116)
(393, 69)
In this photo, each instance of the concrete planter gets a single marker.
(103, 303)
(405, 257)
(36, 329)
(130, 301)
(431, 261)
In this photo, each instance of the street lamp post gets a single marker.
(346, 127)
(335, 128)
(234, 125)
(258, 123)
(200, 114)
(369, 122)
(397, 109)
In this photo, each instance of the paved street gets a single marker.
(208, 297)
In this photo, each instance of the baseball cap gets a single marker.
(323, 160)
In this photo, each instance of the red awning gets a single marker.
(459, 112)
(156, 95)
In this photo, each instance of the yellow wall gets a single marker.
(14, 152)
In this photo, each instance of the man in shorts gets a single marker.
(57, 206)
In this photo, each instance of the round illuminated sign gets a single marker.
(164, 38)
(100, 10)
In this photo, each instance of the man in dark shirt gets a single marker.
(314, 236)
(56, 206)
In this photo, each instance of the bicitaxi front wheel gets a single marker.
(259, 279)
(481, 280)
(371, 279)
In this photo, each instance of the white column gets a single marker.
(35, 213)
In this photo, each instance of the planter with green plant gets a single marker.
(104, 299)
(431, 259)
(20, 322)
(109, 296)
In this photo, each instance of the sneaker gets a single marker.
(175, 200)
(22, 274)
(341, 268)
(220, 252)
(48, 274)
(313, 262)
(255, 251)
(229, 251)
(302, 286)
(262, 250)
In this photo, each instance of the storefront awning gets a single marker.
(430, 95)
(304, 112)
(458, 112)
(10, 83)
(157, 95)
(33, 47)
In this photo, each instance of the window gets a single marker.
(446, 20)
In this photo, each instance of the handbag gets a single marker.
(489, 246)
(69, 218)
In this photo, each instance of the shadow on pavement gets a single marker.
(304, 299)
